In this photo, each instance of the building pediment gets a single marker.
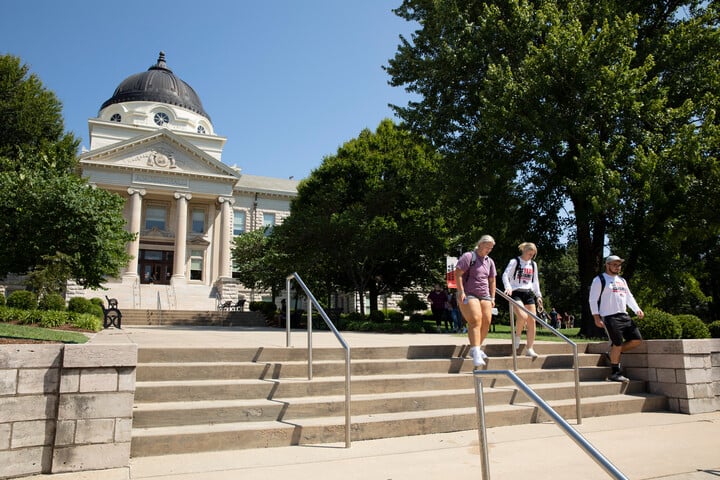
(159, 152)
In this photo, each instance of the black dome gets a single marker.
(157, 84)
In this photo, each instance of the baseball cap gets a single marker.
(613, 258)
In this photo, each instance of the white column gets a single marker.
(181, 235)
(133, 247)
(226, 204)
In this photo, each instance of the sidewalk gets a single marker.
(642, 446)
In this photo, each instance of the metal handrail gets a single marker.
(573, 345)
(330, 325)
(609, 468)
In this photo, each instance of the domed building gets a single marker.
(154, 144)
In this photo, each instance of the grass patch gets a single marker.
(503, 332)
(26, 332)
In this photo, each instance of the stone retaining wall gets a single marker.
(687, 372)
(67, 408)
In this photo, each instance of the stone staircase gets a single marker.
(193, 317)
(194, 400)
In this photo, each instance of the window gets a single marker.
(155, 217)
(201, 129)
(196, 264)
(238, 222)
(268, 222)
(198, 220)
(116, 117)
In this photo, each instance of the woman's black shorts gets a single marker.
(527, 297)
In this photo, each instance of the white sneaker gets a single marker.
(531, 353)
(483, 354)
(476, 355)
(517, 343)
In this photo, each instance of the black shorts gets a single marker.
(620, 326)
(527, 297)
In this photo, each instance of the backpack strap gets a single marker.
(602, 287)
(474, 258)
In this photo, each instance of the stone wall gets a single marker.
(67, 408)
(687, 372)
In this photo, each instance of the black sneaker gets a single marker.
(618, 377)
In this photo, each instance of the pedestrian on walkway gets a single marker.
(475, 276)
(521, 282)
(609, 298)
(437, 298)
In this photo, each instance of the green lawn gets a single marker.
(28, 332)
(503, 332)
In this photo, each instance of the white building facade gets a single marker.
(153, 144)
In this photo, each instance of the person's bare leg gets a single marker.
(473, 316)
(530, 325)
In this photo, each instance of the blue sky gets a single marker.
(286, 81)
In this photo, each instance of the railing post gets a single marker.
(482, 429)
(287, 311)
(309, 340)
(512, 335)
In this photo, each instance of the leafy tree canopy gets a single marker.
(52, 223)
(31, 118)
(599, 117)
(368, 219)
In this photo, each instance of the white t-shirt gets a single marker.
(527, 278)
(616, 296)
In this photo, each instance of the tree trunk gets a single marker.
(590, 254)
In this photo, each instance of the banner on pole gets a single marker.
(450, 272)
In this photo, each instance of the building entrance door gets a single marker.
(155, 266)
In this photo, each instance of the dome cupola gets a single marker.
(157, 84)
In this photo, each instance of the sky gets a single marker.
(287, 82)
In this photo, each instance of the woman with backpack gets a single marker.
(521, 282)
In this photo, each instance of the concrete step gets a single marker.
(263, 434)
(280, 408)
(191, 399)
(277, 354)
(192, 317)
(183, 390)
(165, 371)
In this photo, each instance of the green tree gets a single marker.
(368, 219)
(258, 265)
(31, 118)
(53, 225)
(60, 224)
(589, 105)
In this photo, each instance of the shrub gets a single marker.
(85, 321)
(52, 318)
(268, 309)
(52, 301)
(411, 303)
(692, 327)
(659, 325)
(14, 315)
(377, 316)
(23, 299)
(2, 300)
(97, 301)
(83, 305)
(714, 328)
(395, 316)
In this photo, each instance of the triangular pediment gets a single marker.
(158, 152)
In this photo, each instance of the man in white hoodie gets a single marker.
(609, 299)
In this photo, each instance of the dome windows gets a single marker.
(116, 117)
(161, 119)
(201, 130)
